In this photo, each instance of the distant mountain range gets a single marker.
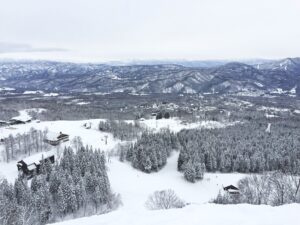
(258, 76)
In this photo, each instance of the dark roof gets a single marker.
(230, 187)
(62, 135)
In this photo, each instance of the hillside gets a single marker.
(209, 214)
(232, 77)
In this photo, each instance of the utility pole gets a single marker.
(106, 139)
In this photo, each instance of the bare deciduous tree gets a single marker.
(165, 199)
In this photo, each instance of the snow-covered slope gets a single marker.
(136, 186)
(208, 214)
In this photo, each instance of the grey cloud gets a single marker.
(6, 47)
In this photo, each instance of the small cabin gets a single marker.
(31, 165)
(55, 139)
(230, 189)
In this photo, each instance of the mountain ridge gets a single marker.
(147, 79)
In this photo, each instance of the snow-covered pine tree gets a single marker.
(190, 173)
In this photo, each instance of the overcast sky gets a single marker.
(104, 30)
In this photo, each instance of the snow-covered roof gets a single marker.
(36, 158)
(52, 136)
(31, 167)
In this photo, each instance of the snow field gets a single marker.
(208, 214)
(135, 186)
(175, 124)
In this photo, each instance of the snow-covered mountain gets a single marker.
(291, 65)
(166, 78)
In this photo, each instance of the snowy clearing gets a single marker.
(272, 109)
(176, 125)
(136, 186)
(24, 116)
(91, 136)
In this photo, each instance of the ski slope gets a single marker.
(135, 186)
(206, 214)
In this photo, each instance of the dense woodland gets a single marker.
(6, 114)
(76, 186)
(246, 148)
(151, 150)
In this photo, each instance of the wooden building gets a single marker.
(30, 166)
(231, 189)
(56, 139)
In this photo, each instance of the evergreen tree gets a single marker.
(190, 173)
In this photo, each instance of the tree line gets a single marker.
(275, 188)
(76, 186)
(121, 129)
(25, 144)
